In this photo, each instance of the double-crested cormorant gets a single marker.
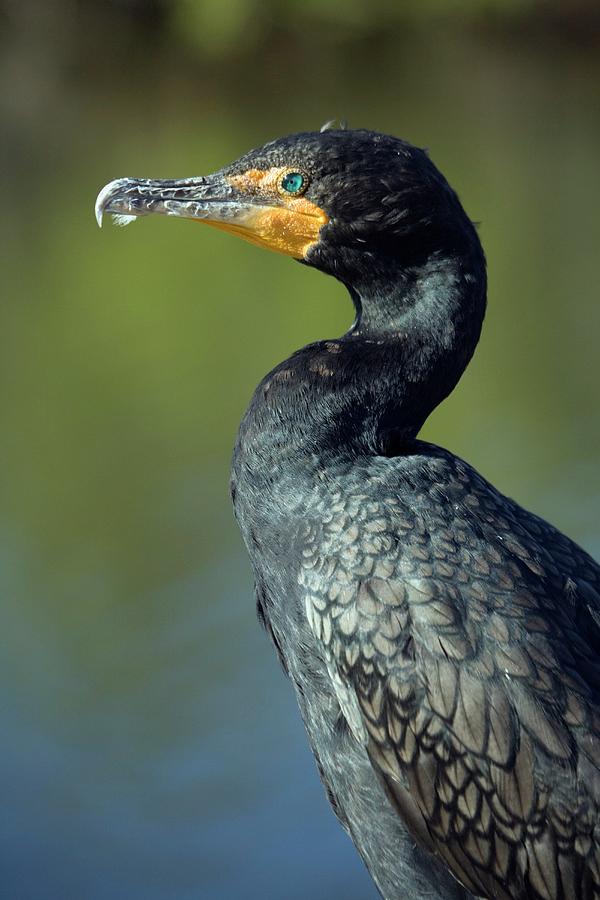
(444, 644)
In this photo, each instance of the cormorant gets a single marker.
(443, 642)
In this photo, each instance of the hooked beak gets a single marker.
(261, 217)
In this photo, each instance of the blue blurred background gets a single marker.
(149, 746)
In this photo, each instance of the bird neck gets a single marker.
(376, 385)
(437, 307)
(425, 324)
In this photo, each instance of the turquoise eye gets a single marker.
(293, 182)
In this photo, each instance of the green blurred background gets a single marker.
(149, 746)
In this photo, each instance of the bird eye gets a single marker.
(293, 183)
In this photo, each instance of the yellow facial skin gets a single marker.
(290, 226)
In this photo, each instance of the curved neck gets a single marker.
(440, 300)
(429, 320)
(410, 344)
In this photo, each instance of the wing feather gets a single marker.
(452, 638)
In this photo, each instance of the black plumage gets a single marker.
(444, 644)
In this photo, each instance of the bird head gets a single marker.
(353, 203)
